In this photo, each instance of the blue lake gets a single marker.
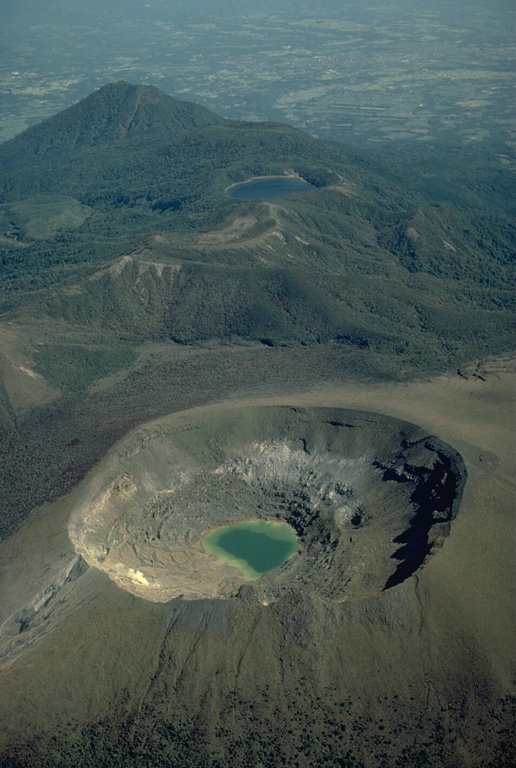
(267, 187)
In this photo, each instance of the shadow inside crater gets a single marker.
(436, 500)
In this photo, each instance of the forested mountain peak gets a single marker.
(117, 111)
(134, 178)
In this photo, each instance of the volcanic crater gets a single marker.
(370, 498)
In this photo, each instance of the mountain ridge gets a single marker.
(360, 260)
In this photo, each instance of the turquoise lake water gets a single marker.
(253, 546)
(266, 188)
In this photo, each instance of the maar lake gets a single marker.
(266, 187)
(253, 546)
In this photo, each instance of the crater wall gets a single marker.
(370, 498)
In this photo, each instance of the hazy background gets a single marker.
(401, 71)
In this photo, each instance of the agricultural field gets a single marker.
(355, 74)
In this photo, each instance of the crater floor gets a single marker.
(369, 496)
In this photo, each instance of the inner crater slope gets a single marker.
(369, 497)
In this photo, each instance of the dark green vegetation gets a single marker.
(72, 367)
(255, 732)
(373, 258)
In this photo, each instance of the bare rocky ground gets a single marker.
(421, 673)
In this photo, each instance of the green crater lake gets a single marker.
(254, 546)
